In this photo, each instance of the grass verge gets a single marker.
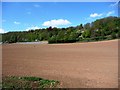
(27, 82)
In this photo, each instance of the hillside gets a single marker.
(102, 29)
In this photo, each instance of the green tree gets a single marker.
(113, 35)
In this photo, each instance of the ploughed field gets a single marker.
(80, 65)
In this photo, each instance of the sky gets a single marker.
(22, 16)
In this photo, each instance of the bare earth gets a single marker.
(81, 65)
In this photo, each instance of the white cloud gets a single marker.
(111, 12)
(93, 15)
(16, 22)
(36, 5)
(32, 28)
(2, 30)
(55, 23)
(114, 4)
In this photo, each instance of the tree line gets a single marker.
(102, 29)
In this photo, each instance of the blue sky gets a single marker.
(22, 16)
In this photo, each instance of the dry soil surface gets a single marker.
(80, 65)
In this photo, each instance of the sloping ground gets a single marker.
(81, 65)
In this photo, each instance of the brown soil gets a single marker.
(80, 65)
